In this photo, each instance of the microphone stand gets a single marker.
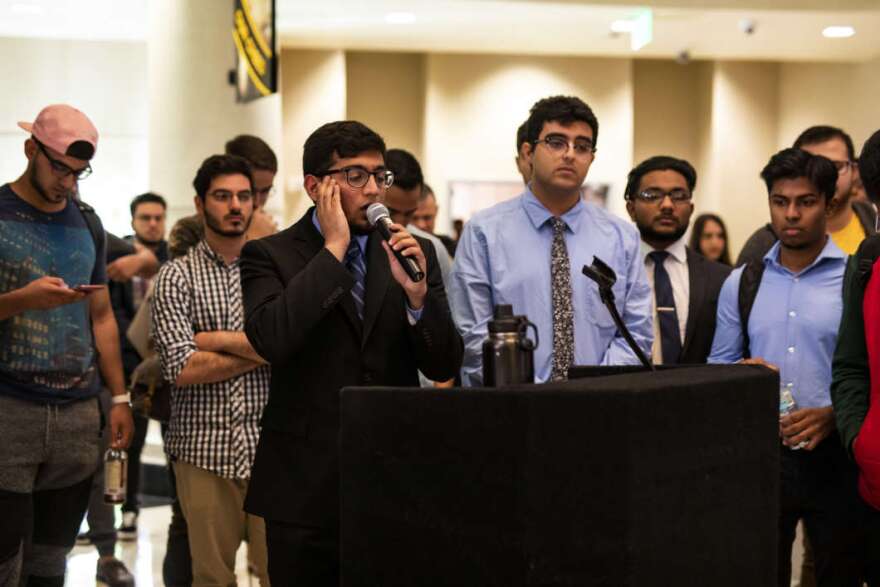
(605, 278)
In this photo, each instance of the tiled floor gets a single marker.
(143, 558)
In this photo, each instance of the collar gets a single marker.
(829, 252)
(677, 250)
(205, 249)
(360, 239)
(539, 215)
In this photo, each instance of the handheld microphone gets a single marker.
(378, 216)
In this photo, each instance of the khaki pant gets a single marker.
(212, 506)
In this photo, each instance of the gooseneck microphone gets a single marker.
(378, 216)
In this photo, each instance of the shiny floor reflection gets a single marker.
(144, 557)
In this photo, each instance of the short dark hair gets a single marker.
(823, 133)
(794, 163)
(255, 150)
(659, 163)
(427, 192)
(217, 165)
(147, 198)
(343, 138)
(522, 135)
(406, 169)
(869, 167)
(697, 235)
(562, 109)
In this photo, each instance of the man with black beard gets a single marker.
(659, 199)
(219, 384)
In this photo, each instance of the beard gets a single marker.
(652, 236)
(216, 225)
(66, 195)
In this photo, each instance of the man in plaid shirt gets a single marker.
(220, 385)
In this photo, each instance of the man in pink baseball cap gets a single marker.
(61, 347)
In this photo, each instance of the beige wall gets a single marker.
(386, 91)
(475, 103)
(313, 92)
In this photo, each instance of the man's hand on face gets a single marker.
(406, 244)
(332, 218)
(810, 425)
(48, 292)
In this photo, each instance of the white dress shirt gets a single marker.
(677, 268)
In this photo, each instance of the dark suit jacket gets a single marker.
(706, 278)
(300, 316)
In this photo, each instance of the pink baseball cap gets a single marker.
(65, 129)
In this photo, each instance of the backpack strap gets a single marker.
(866, 256)
(749, 282)
(92, 222)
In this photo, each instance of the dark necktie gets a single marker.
(664, 300)
(354, 262)
(563, 315)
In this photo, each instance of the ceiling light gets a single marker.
(623, 26)
(400, 18)
(838, 32)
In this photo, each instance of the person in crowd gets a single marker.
(523, 163)
(329, 306)
(60, 346)
(425, 218)
(858, 186)
(659, 198)
(709, 238)
(148, 222)
(403, 201)
(849, 221)
(855, 381)
(792, 326)
(528, 252)
(219, 384)
(188, 231)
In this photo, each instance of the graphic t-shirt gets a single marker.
(48, 356)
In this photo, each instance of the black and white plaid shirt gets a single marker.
(214, 426)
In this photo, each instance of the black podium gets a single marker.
(625, 478)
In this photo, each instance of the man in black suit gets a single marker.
(328, 306)
(659, 193)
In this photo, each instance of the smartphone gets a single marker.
(88, 288)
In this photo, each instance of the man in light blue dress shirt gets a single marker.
(792, 327)
(504, 255)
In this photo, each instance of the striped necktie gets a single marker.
(354, 262)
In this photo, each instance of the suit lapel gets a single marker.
(378, 278)
(696, 298)
(308, 242)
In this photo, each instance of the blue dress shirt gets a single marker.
(793, 323)
(503, 257)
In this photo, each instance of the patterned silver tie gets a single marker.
(563, 315)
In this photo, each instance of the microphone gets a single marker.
(378, 216)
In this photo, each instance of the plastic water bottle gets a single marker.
(115, 473)
(787, 405)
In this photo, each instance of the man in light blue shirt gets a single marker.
(792, 327)
(529, 251)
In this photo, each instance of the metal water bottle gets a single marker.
(508, 354)
(115, 473)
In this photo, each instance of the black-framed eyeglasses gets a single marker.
(60, 169)
(223, 196)
(656, 195)
(357, 177)
(559, 144)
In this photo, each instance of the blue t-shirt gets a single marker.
(48, 356)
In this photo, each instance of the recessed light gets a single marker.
(400, 18)
(838, 32)
(623, 26)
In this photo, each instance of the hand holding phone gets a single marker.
(87, 288)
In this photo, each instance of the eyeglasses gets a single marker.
(62, 170)
(357, 177)
(268, 191)
(559, 144)
(223, 196)
(656, 196)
